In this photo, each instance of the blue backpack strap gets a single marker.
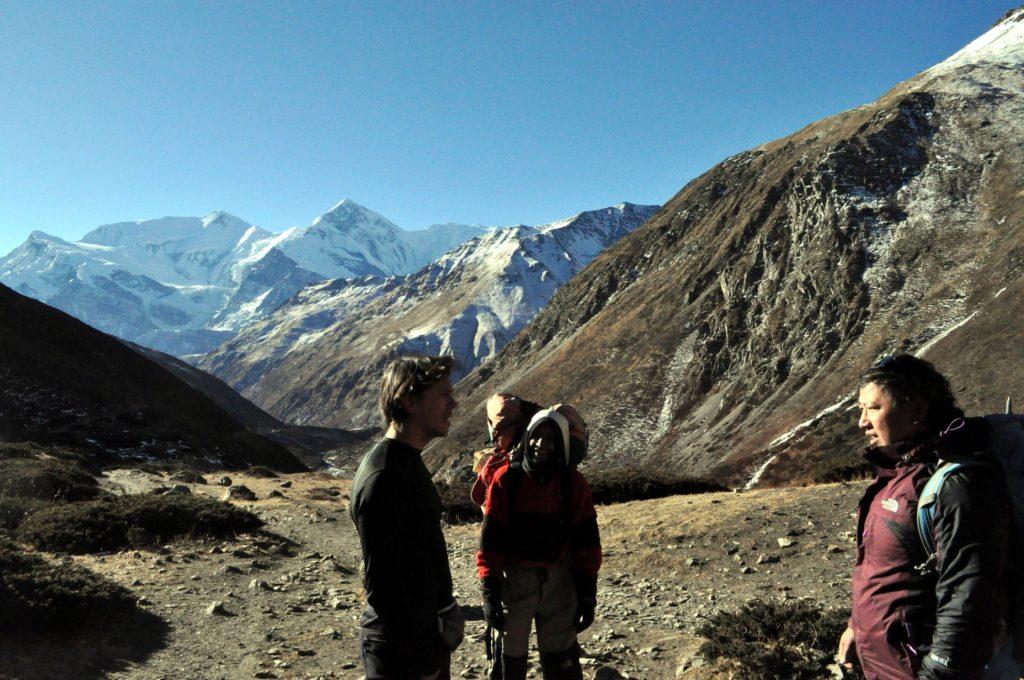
(926, 508)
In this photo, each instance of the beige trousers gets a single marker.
(547, 596)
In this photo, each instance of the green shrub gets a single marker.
(261, 472)
(117, 523)
(36, 595)
(14, 509)
(45, 479)
(793, 640)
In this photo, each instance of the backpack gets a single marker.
(1005, 445)
(507, 418)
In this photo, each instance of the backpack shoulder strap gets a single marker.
(514, 480)
(926, 505)
(567, 513)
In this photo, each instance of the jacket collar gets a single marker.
(924, 448)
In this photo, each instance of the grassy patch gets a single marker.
(36, 595)
(117, 523)
(794, 640)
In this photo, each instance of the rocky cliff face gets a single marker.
(730, 329)
(317, 359)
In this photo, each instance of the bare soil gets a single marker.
(290, 606)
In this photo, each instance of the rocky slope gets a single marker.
(730, 329)
(63, 382)
(184, 284)
(318, 358)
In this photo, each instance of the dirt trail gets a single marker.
(294, 613)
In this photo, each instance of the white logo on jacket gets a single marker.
(891, 504)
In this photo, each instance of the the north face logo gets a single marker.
(891, 504)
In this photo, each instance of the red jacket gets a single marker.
(941, 624)
(527, 522)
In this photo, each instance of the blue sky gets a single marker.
(478, 112)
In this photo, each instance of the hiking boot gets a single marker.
(513, 668)
(561, 665)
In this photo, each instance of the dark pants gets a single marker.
(383, 662)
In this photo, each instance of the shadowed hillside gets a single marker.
(62, 382)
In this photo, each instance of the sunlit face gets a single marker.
(432, 409)
(544, 442)
(885, 422)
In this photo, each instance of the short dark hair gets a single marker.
(409, 376)
(906, 378)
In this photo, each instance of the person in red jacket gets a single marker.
(916, 618)
(540, 552)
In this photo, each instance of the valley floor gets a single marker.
(293, 613)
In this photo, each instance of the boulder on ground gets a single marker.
(239, 492)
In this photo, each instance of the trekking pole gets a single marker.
(1009, 406)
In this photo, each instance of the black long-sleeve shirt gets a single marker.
(397, 511)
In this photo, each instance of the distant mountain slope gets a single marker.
(318, 358)
(63, 382)
(342, 448)
(184, 284)
(730, 328)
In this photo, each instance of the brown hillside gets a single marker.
(751, 302)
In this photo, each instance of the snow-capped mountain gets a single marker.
(316, 360)
(185, 284)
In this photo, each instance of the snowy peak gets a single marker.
(349, 218)
(219, 219)
(996, 55)
(470, 303)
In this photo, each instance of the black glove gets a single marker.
(584, 614)
(490, 588)
(586, 601)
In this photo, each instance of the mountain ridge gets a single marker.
(781, 273)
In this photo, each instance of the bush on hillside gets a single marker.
(36, 595)
(848, 466)
(121, 522)
(793, 640)
(14, 509)
(45, 480)
(619, 487)
(261, 472)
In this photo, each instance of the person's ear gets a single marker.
(919, 411)
(409, 404)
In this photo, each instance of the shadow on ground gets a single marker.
(100, 647)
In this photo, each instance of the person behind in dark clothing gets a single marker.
(912, 617)
(412, 622)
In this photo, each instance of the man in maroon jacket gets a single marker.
(913, 620)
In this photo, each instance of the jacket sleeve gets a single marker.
(584, 536)
(379, 520)
(494, 531)
(971, 527)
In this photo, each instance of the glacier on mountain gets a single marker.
(185, 284)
